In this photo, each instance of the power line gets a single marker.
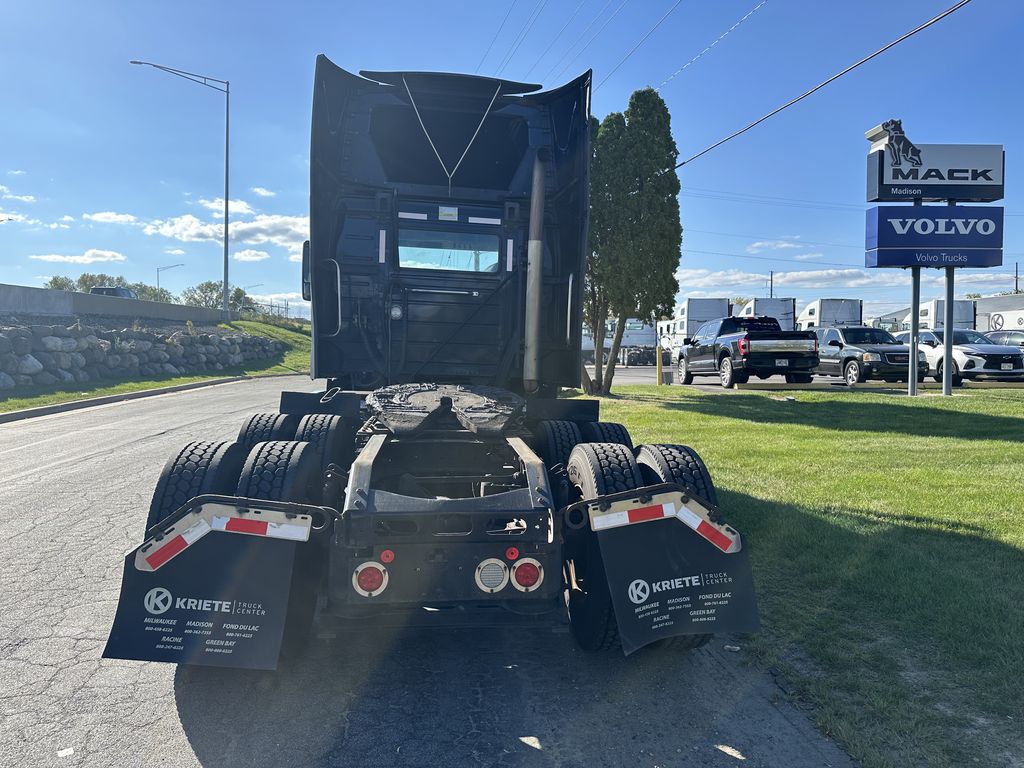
(593, 38)
(640, 42)
(568, 49)
(719, 39)
(800, 242)
(773, 259)
(521, 37)
(555, 39)
(832, 79)
(496, 35)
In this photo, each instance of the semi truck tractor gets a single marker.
(435, 479)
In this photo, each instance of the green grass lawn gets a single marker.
(887, 537)
(294, 360)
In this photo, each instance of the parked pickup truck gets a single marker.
(736, 348)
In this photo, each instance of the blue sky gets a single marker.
(109, 167)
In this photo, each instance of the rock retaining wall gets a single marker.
(49, 355)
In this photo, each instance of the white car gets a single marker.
(974, 355)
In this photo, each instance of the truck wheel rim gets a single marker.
(851, 375)
(725, 370)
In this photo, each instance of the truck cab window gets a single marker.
(448, 250)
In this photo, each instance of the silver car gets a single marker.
(975, 355)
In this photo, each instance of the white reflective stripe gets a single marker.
(688, 517)
(482, 220)
(382, 251)
(196, 531)
(288, 531)
(410, 215)
(508, 257)
(219, 523)
(610, 520)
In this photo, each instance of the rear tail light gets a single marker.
(491, 575)
(744, 346)
(815, 345)
(527, 574)
(370, 579)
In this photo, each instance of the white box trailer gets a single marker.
(690, 315)
(783, 310)
(829, 312)
(1007, 320)
(932, 314)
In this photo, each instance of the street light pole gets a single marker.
(215, 84)
(163, 269)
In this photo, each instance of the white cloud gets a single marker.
(293, 296)
(772, 245)
(808, 256)
(295, 257)
(67, 218)
(6, 194)
(174, 251)
(17, 173)
(91, 256)
(187, 229)
(250, 255)
(238, 207)
(287, 232)
(109, 217)
(263, 192)
(57, 225)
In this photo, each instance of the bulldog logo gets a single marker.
(900, 147)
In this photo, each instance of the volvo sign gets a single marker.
(901, 170)
(934, 236)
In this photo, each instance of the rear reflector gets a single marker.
(491, 575)
(527, 574)
(721, 536)
(370, 579)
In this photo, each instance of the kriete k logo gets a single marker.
(157, 600)
(639, 591)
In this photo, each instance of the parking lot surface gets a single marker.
(74, 488)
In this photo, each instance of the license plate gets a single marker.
(1007, 366)
(781, 362)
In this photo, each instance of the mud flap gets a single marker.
(213, 588)
(673, 567)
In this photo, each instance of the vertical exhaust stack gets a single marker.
(534, 277)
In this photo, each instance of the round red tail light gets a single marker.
(370, 579)
(527, 574)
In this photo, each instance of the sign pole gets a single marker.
(915, 328)
(947, 335)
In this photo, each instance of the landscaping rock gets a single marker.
(29, 366)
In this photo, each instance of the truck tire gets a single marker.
(555, 441)
(852, 373)
(726, 372)
(261, 427)
(280, 470)
(200, 467)
(329, 438)
(606, 432)
(685, 377)
(678, 464)
(595, 469)
(287, 470)
(798, 378)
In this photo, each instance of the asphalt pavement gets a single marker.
(74, 488)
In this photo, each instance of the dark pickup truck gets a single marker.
(736, 348)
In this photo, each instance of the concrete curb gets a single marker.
(74, 405)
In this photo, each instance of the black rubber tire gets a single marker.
(685, 377)
(287, 470)
(596, 469)
(676, 464)
(555, 441)
(798, 378)
(606, 432)
(200, 467)
(262, 427)
(852, 373)
(726, 372)
(329, 437)
(280, 470)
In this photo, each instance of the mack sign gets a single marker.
(934, 236)
(901, 170)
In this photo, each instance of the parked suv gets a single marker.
(113, 290)
(974, 355)
(1009, 338)
(858, 353)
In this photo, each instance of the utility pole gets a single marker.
(771, 284)
(1016, 277)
